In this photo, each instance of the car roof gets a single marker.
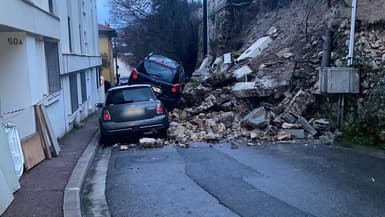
(128, 86)
(164, 60)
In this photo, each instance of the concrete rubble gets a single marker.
(255, 49)
(257, 100)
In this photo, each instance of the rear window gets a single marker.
(159, 71)
(130, 95)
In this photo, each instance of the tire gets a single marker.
(105, 140)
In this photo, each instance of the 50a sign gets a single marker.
(15, 41)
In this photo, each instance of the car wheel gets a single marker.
(105, 140)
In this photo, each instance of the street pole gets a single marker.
(116, 63)
(205, 26)
(341, 98)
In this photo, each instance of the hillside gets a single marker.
(278, 84)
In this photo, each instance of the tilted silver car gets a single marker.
(131, 110)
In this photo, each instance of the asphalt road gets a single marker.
(285, 180)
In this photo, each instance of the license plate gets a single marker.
(134, 111)
(156, 89)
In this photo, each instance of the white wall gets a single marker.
(23, 16)
(15, 88)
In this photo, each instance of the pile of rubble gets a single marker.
(248, 98)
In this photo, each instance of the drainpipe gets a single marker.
(352, 31)
(205, 27)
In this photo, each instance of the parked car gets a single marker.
(131, 110)
(166, 76)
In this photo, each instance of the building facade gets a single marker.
(48, 55)
(106, 34)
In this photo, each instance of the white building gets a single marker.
(48, 54)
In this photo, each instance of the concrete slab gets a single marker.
(242, 73)
(255, 49)
(256, 118)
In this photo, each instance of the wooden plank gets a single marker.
(51, 132)
(32, 151)
(42, 131)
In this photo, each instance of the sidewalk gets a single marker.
(42, 188)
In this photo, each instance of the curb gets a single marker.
(72, 191)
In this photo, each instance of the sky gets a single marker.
(103, 11)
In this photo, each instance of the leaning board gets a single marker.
(33, 151)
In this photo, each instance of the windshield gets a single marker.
(129, 95)
(159, 71)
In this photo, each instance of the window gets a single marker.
(130, 95)
(50, 6)
(83, 85)
(53, 69)
(98, 77)
(69, 33)
(159, 71)
(74, 92)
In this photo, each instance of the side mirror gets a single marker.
(99, 105)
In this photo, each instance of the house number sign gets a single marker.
(14, 41)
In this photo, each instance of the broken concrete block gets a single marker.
(288, 126)
(295, 133)
(256, 118)
(301, 121)
(244, 89)
(242, 73)
(282, 135)
(321, 125)
(147, 142)
(255, 49)
(288, 117)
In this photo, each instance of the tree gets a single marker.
(168, 27)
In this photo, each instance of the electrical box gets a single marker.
(339, 80)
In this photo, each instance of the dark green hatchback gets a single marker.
(132, 110)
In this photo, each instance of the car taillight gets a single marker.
(159, 109)
(106, 115)
(134, 74)
(176, 88)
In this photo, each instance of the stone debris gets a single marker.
(269, 98)
(244, 90)
(283, 135)
(242, 73)
(123, 147)
(151, 142)
(295, 133)
(256, 118)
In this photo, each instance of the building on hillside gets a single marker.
(106, 33)
(48, 55)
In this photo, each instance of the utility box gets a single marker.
(339, 80)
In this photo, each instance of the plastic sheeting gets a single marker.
(6, 162)
(15, 148)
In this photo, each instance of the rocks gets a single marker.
(295, 133)
(151, 142)
(255, 119)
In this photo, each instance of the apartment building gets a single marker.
(48, 55)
